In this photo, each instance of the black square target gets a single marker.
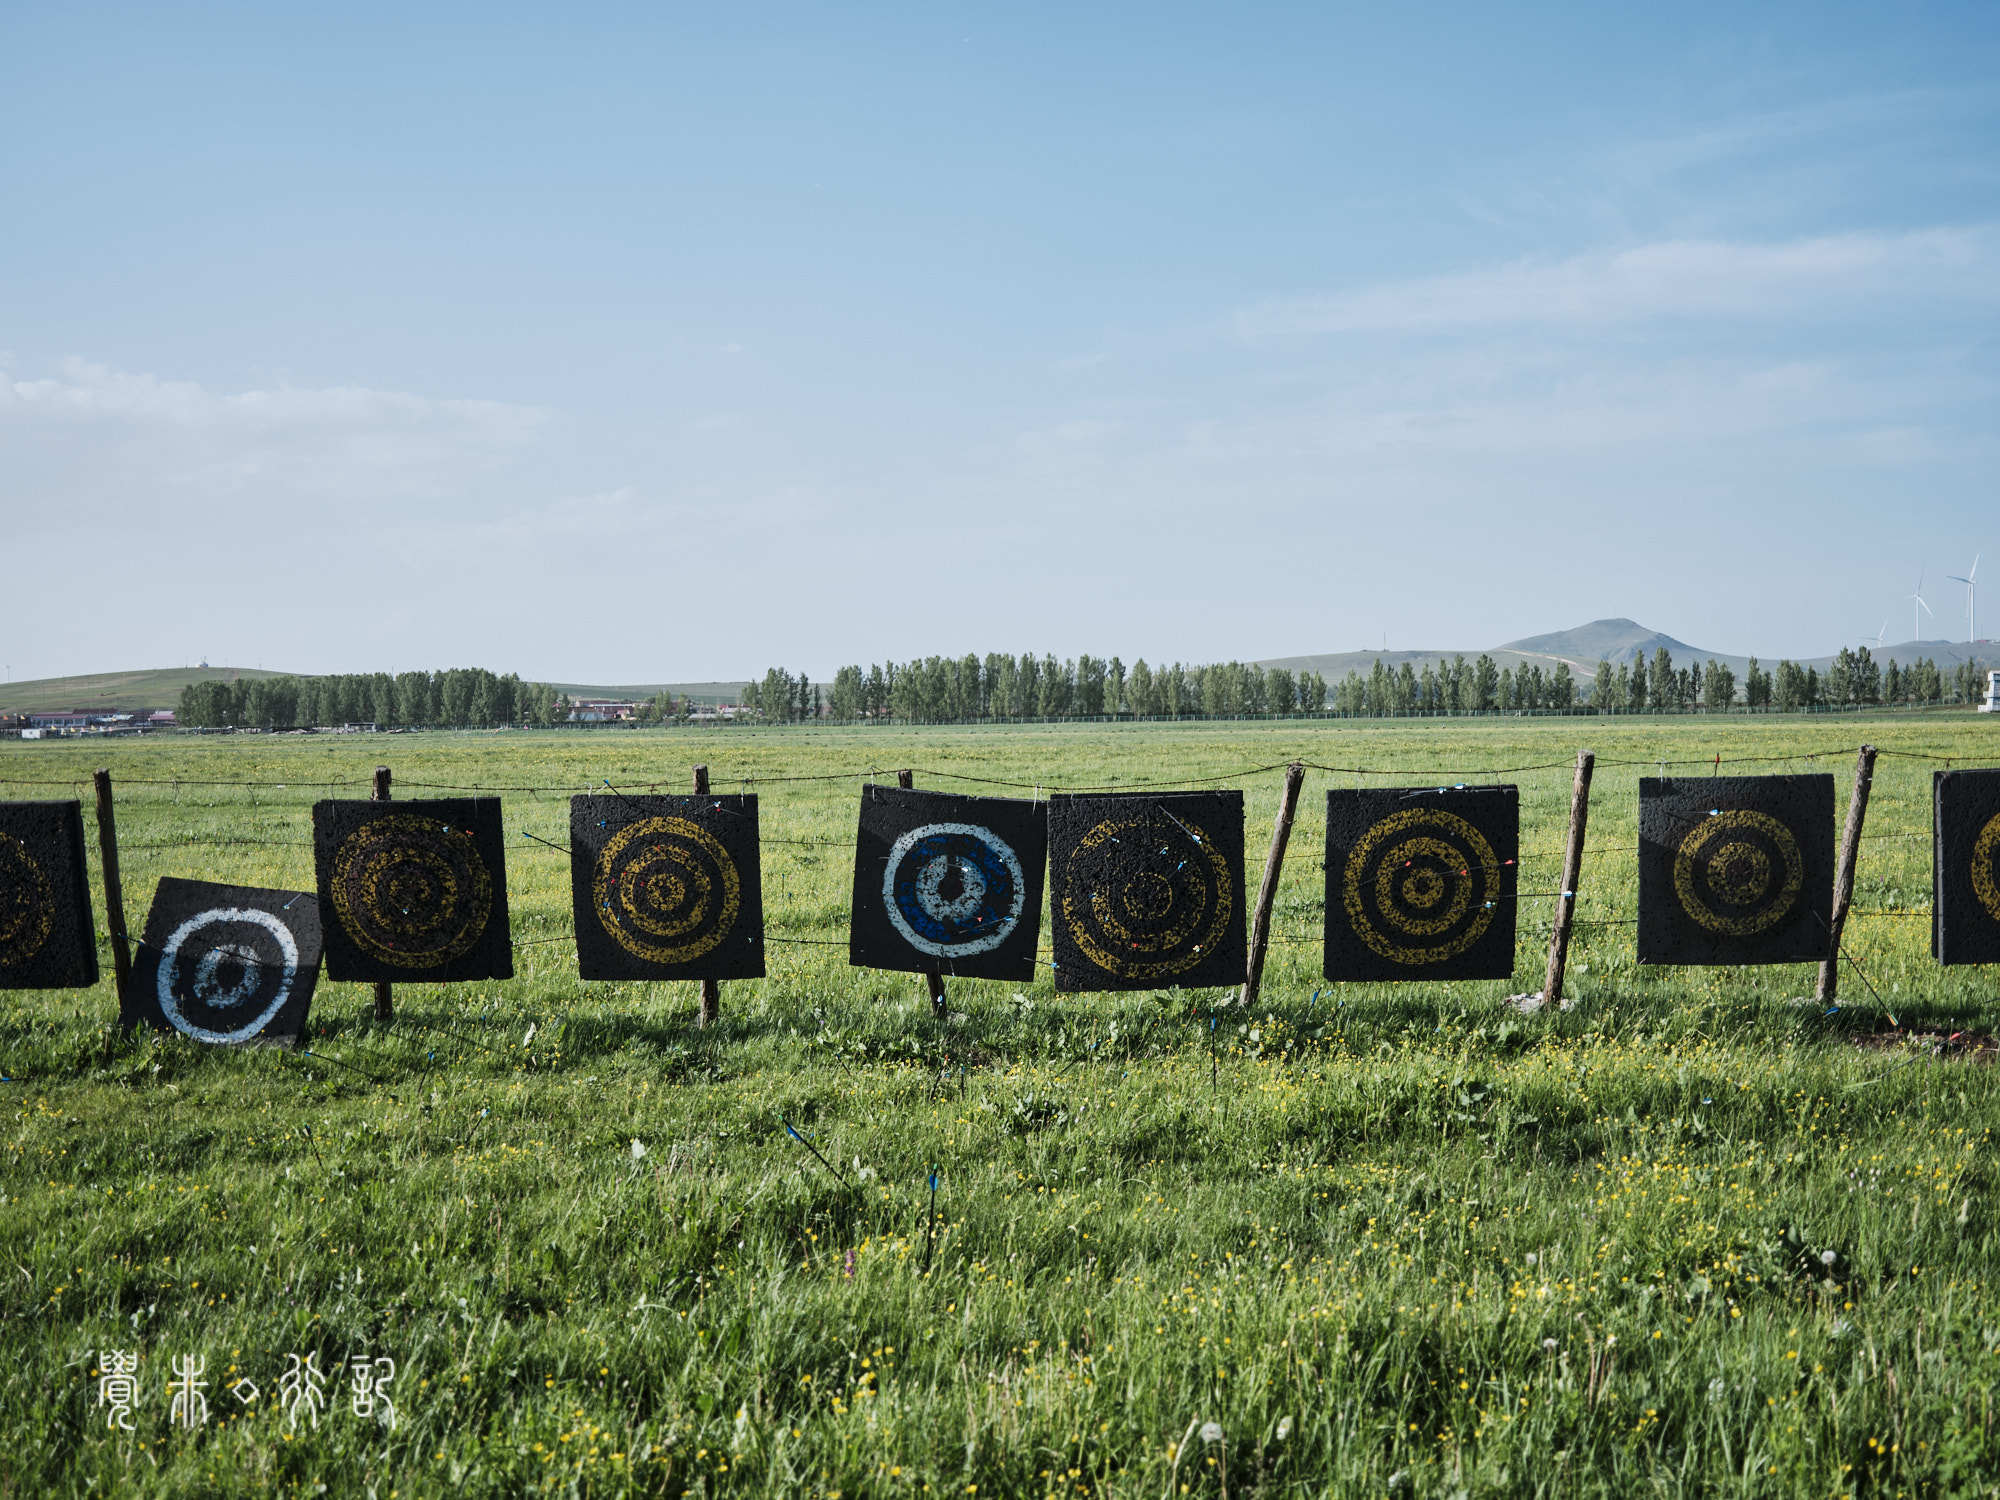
(948, 884)
(1965, 864)
(1146, 890)
(226, 964)
(1421, 882)
(1735, 869)
(47, 939)
(413, 890)
(666, 887)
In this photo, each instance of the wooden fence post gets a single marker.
(933, 979)
(1579, 821)
(114, 890)
(385, 1004)
(711, 989)
(1267, 892)
(1843, 878)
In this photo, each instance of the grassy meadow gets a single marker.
(1687, 1237)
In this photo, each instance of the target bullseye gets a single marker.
(413, 890)
(1420, 882)
(226, 964)
(27, 903)
(47, 938)
(666, 887)
(953, 889)
(244, 964)
(1148, 889)
(1739, 872)
(1735, 869)
(1965, 867)
(947, 884)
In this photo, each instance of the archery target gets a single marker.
(1421, 882)
(666, 887)
(413, 890)
(226, 964)
(47, 938)
(1965, 897)
(1147, 890)
(947, 884)
(1735, 869)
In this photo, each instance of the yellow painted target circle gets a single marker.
(1739, 872)
(1985, 858)
(666, 890)
(412, 890)
(1158, 919)
(27, 905)
(1417, 886)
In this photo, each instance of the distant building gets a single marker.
(162, 718)
(69, 721)
(602, 710)
(1992, 703)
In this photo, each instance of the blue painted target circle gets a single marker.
(226, 972)
(953, 889)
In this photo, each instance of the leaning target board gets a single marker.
(666, 887)
(1735, 869)
(1965, 864)
(47, 939)
(413, 890)
(948, 884)
(226, 963)
(1146, 889)
(1420, 882)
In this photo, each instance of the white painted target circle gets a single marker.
(965, 894)
(206, 983)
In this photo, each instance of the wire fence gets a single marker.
(1585, 911)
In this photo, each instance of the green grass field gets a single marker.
(1686, 1238)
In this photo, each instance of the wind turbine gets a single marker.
(1971, 635)
(1922, 609)
(1880, 634)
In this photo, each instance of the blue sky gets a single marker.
(667, 344)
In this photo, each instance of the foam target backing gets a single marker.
(948, 884)
(1965, 867)
(1146, 890)
(226, 964)
(413, 890)
(47, 938)
(666, 887)
(1421, 882)
(1735, 869)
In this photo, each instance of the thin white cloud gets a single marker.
(1666, 279)
(89, 430)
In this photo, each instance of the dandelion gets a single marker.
(638, 1148)
(1550, 1345)
(1828, 1257)
(1284, 1428)
(1211, 1432)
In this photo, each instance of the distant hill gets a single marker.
(115, 692)
(160, 687)
(1614, 641)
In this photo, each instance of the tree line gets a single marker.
(970, 688)
(460, 698)
(943, 689)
